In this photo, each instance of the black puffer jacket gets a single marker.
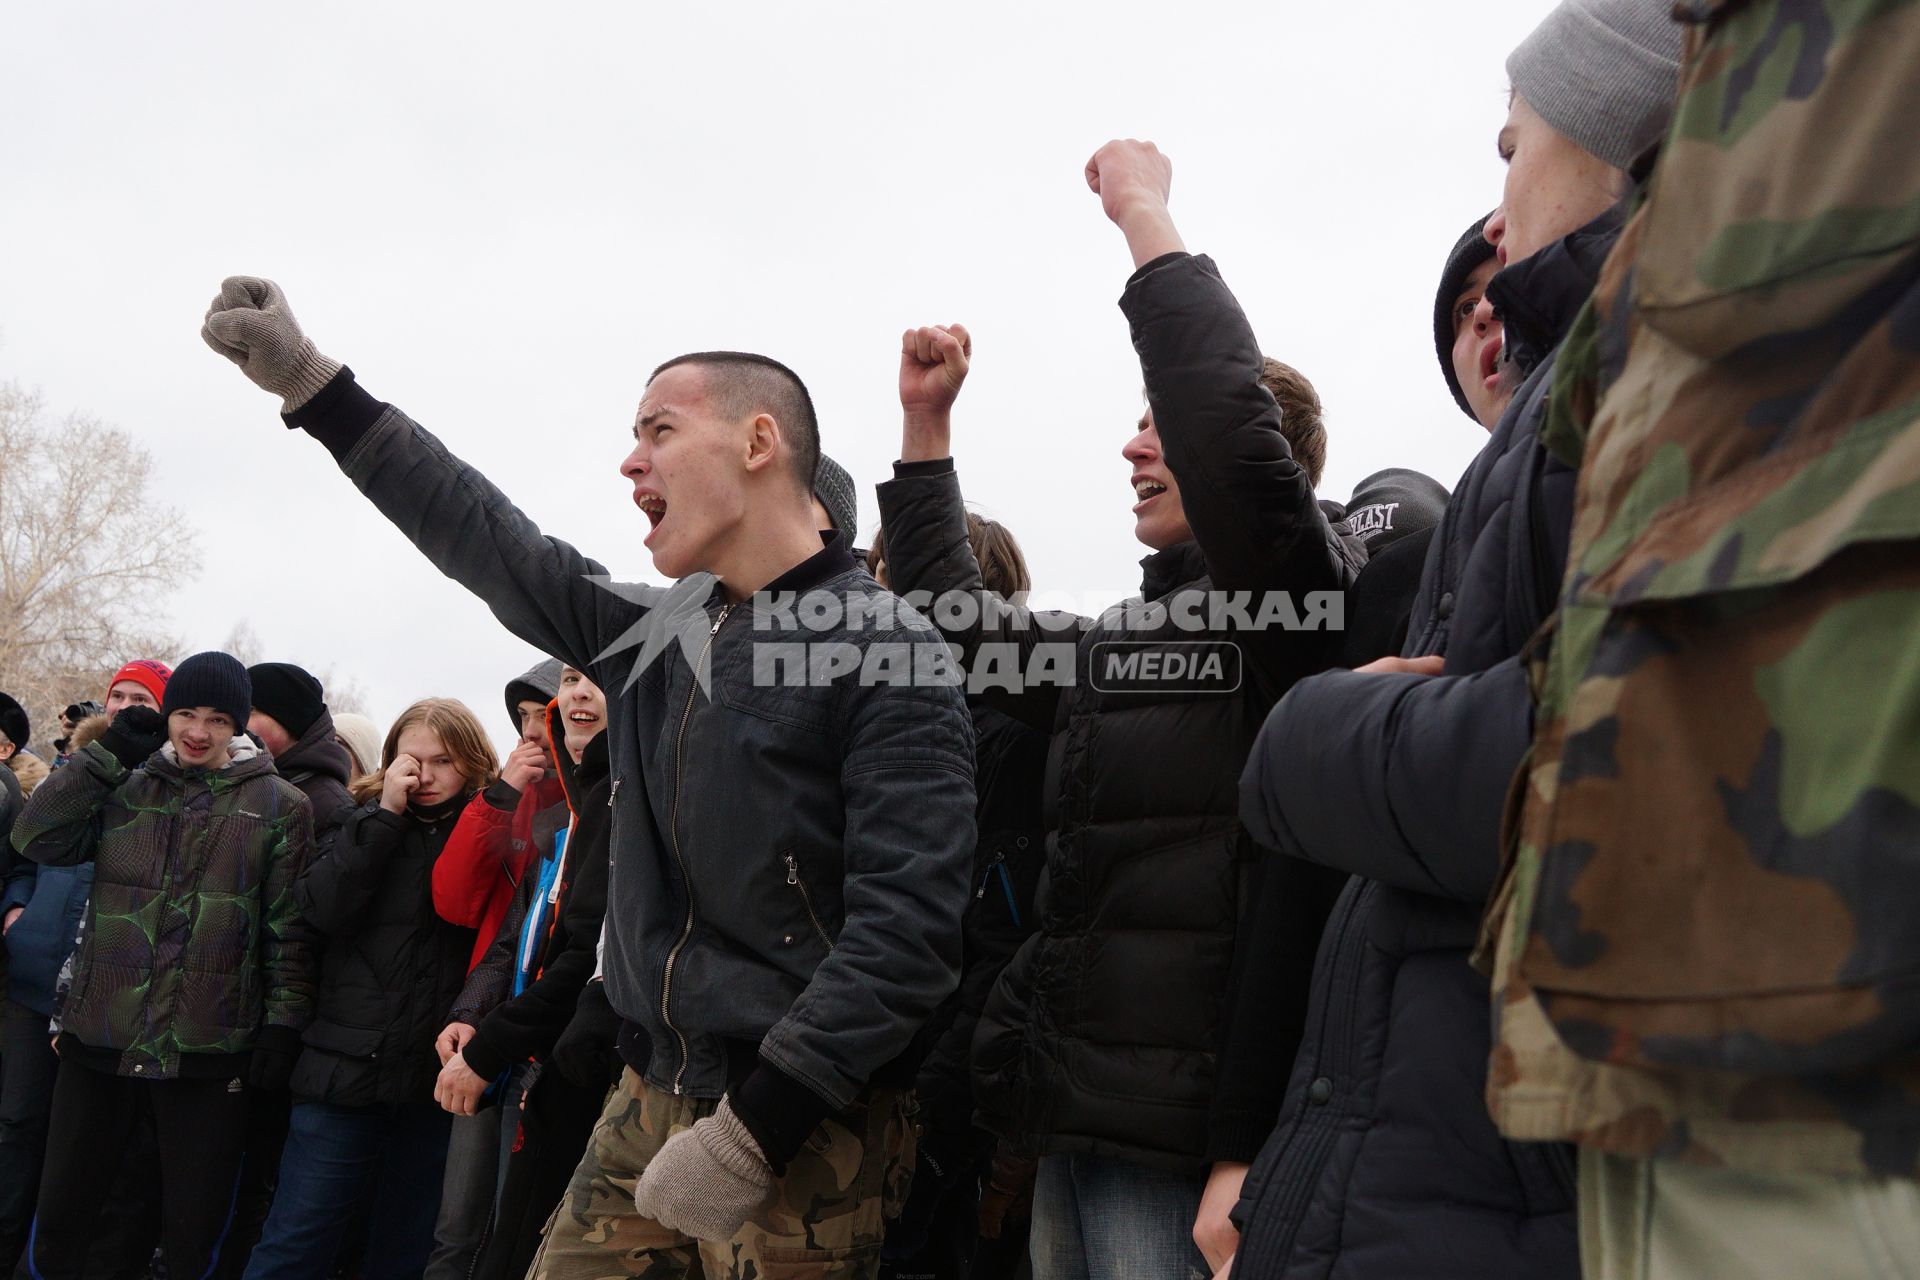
(1385, 1163)
(1100, 1036)
(391, 966)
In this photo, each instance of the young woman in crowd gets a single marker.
(366, 1131)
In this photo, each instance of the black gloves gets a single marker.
(136, 733)
(274, 1053)
(585, 1052)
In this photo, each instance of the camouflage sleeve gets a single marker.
(287, 951)
(1399, 778)
(60, 826)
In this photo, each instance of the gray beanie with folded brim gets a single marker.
(1603, 73)
(834, 487)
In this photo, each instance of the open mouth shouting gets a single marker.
(1490, 360)
(651, 505)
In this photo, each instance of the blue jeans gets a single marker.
(1096, 1218)
(391, 1159)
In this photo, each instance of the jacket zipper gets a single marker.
(793, 878)
(673, 823)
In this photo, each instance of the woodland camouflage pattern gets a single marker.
(1709, 942)
(192, 942)
(826, 1218)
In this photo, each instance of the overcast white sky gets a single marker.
(503, 216)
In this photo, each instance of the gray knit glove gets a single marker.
(706, 1181)
(251, 325)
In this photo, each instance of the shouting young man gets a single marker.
(789, 858)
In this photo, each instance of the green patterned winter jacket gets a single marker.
(192, 940)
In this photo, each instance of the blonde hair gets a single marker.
(459, 732)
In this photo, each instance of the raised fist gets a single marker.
(933, 365)
(251, 324)
(1130, 176)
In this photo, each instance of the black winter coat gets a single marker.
(1100, 1036)
(507, 1028)
(1386, 1163)
(391, 967)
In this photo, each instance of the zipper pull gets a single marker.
(613, 794)
(724, 611)
(793, 869)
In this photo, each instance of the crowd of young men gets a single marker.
(1514, 881)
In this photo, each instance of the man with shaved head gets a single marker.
(790, 857)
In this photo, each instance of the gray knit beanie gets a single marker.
(1603, 73)
(834, 487)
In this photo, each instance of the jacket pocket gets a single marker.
(1731, 848)
(344, 1040)
(797, 881)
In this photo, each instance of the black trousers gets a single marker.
(28, 1068)
(556, 1122)
(201, 1127)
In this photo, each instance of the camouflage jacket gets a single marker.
(191, 942)
(1707, 945)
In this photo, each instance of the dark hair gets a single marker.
(741, 383)
(1300, 420)
(1003, 566)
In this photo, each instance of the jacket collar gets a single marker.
(247, 761)
(832, 560)
(1162, 571)
(1539, 296)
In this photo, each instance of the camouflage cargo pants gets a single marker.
(826, 1217)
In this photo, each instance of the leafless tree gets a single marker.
(84, 571)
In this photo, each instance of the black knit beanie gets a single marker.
(214, 680)
(1468, 253)
(834, 487)
(289, 694)
(14, 722)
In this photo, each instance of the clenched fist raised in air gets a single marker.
(933, 365)
(251, 324)
(1134, 182)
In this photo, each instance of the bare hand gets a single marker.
(403, 776)
(525, 765)
(13, 913)
(1213, 1230)
(1432, 665)
(1131, 178)
(458, 1089)
(452, 1040)
(933, 364)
